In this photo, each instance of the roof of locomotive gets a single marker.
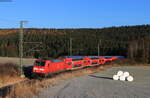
(80, 57)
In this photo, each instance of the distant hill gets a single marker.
(129, 41)
(121, 29)
(29, 30)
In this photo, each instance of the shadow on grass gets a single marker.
(28, 71)
(101, 77)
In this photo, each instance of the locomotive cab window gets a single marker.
(40, 63)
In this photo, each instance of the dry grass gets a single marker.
(9, 69)
(24, 91)
(128, 62)
(9, 74)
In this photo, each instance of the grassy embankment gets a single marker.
(9, 74)
(9, 70)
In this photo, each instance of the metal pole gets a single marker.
(70, 46)
(21, 48)
(70, 42)
(98, 47)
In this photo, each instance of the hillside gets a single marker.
(129, 41)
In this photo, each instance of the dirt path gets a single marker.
(101, 85)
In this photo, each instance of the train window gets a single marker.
(77, 59)
(94, 58)
(56, 60)
(40, 63)
(85, 61)
(69, 63)
(89, 61)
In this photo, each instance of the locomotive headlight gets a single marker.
(35, 68)
(41, 69)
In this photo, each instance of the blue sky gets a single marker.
(74, 13)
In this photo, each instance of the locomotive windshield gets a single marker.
(40, 63)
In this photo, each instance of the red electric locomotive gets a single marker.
(45, 67)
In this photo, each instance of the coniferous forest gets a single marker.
(133, 42)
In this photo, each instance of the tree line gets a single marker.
(129, 41)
